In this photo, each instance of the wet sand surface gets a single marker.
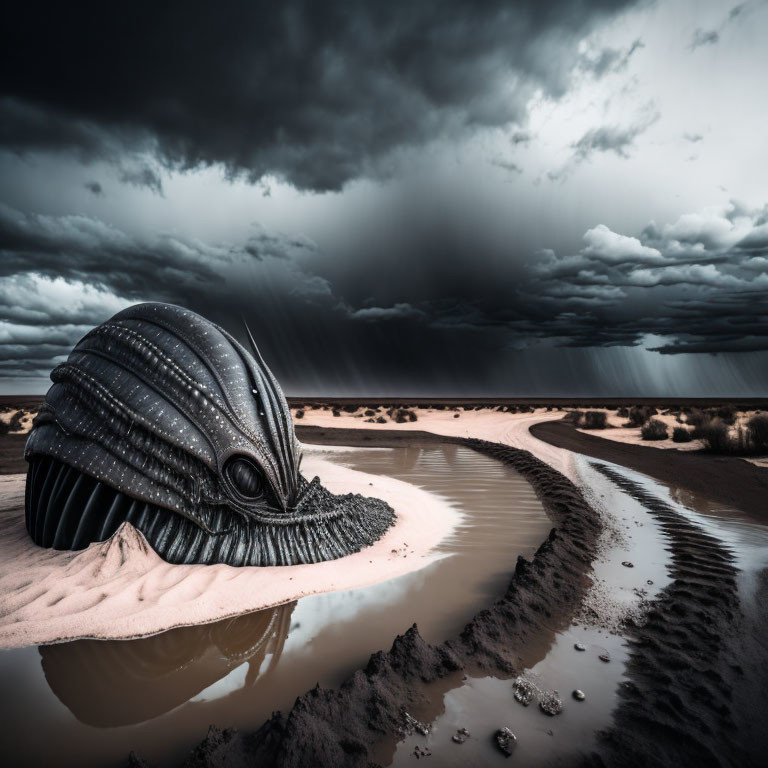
(97, 700)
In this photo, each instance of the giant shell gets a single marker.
(163, 419)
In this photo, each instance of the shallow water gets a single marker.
(483, 705)
(94, 701)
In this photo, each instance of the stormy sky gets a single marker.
(502, 198)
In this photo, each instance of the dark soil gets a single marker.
(12, 454)
(676, 708)
(725, 479)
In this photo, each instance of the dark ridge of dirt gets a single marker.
(725, 479)
(339, 727)
(677, 706)
(12, 454)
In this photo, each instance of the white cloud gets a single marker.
(605, 245)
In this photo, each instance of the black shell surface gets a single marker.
(163, 419)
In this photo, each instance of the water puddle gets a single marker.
(630, 571)
(97, 700)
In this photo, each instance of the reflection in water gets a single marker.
(108, 683)
(158, 695)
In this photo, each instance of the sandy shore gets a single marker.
(121, 589)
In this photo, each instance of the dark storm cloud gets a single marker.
(94, 188)
(698, 284)
(617, 139)
(521, 137)
(61, 275)
(85, 249)
(315, 93)
(701, 283)
(507, 165)
(143, 177)
(607, 60)
(613, 138)
(702, 37)
(374, 314)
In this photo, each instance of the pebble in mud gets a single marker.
(411, 724)
(460, 736)
(505, 740)
(524, 691)
(580, 646)
(579, 695)
(551, 704)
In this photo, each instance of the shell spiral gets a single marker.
(162, 418)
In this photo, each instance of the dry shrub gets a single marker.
(716, 436)
(654, 430)
(574, 417)
(757, 428)
(726, 414)
(595, 420)
(681, 435)
(639, 414)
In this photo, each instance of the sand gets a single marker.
(121, 589)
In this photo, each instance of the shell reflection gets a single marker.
(108, 683)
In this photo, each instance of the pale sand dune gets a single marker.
(121, 588)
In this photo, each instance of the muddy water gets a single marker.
(630, 571)
(88, 703)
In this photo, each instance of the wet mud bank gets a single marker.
(685, 671)
(341, 727)
(724, 479)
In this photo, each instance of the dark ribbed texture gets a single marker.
(67, 509)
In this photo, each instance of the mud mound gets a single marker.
(676, 709)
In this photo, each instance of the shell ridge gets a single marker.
(255, 438)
